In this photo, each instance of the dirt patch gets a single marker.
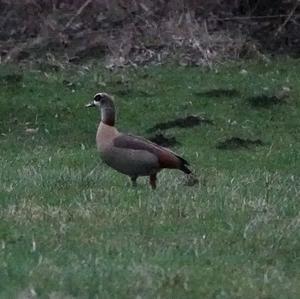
(187, 122)
(264, 101)
(234, 143)
(267, 101)
(218, 93)
(162, 140)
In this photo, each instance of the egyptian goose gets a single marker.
(128, 154)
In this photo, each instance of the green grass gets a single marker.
(70, 227)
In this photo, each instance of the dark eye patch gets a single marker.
(97, 98)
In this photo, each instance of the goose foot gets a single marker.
(133, 181)
(153, 179)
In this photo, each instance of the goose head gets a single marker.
(101, 100)
(106, 105)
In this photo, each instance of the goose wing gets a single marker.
(166, 157)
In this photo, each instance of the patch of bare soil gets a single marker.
(235, 143)
(218, 93)
(187, 122)
(126, 91)
(267, 101)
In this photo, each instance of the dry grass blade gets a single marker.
(290, 15)
(78, 13)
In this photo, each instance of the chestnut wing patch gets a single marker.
(167, 159)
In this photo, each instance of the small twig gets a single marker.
(288, 18)
(256, 17)
(79, 11)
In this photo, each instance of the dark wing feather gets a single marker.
(166, 157)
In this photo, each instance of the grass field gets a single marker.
(70, 227)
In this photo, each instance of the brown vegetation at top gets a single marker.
(140, 32)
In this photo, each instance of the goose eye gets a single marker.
(97, 98)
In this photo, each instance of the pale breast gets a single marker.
(128, 161)
(105, 136)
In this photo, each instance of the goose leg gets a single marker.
(153, 181)
(133, 180)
